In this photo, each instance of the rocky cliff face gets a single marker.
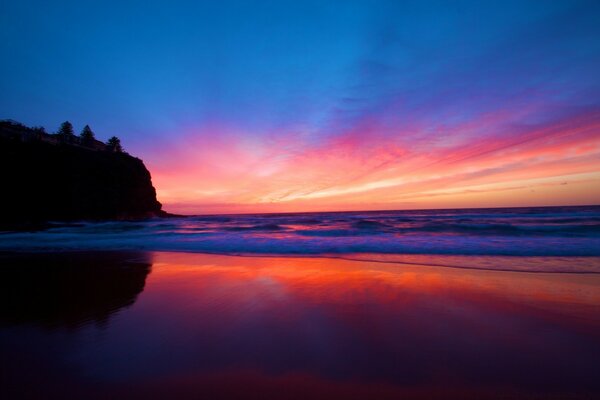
(42, 181)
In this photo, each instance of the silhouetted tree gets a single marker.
(87, 136)
(66, 129)
(114, 143)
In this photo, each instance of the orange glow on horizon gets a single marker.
(554, 164)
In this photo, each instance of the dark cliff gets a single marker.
(43, 180)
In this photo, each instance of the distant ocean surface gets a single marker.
(550, 239)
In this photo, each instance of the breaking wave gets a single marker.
(391, 236)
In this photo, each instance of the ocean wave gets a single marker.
(259, 227)
(386, 234)
(335, 232)
(506, 229)
(308, 242)
(370, 224)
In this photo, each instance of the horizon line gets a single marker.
(383, 210)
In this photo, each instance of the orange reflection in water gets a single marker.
(338, 281)
(332, 327)
(209, 326)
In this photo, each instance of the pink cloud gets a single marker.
(218, 168)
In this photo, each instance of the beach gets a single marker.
(190, 325)
(300, 200)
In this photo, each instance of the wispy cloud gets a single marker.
(291, 106)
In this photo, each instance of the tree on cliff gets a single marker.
(87, 135)
(65, 133)
(66, 129)
(114, 143)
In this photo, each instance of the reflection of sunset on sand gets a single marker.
(358, 328)
(335, 281)
(225, 326)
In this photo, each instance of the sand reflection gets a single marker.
(234, 327)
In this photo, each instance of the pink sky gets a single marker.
(324, 105)
(489, 162)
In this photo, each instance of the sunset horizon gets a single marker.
(284, 107)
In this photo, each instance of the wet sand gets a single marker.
(180, 325)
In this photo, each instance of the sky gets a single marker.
(284, 106)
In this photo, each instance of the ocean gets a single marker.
(551, 239)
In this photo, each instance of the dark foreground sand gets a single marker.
(177, 325)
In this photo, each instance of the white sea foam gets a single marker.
(572, 234)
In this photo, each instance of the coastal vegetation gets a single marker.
(10, 129)
(68, 177)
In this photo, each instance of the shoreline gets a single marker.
(138, 323)
(385, 258)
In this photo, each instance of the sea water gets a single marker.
(551, 239)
